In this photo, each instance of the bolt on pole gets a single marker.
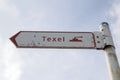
(110, 54)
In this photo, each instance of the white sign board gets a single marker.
(46, 39)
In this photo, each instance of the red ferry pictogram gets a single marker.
(76, 39)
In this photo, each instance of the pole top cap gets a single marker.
(105, 24)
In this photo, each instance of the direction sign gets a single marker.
(49, 39)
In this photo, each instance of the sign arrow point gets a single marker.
(13, 38)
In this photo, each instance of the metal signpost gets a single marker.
(100, 40)
(111, 58)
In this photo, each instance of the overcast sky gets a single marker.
(55, 15)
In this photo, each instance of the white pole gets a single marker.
(110, 54)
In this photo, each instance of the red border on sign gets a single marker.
(13, 39)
